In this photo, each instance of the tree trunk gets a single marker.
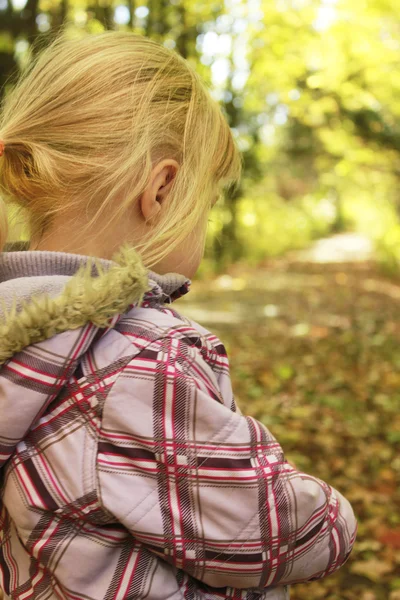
(8, 66)
(63, 11)
(59, 16)
(104, 14)
(227, 248)
(182, 43)
(151, 18)
(162, 25)
(132, 8)
(28, 16)
(108, 17)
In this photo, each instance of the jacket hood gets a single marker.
(48, 321)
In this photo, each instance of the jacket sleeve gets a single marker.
(208, 489)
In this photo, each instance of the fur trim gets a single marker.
(84, 299)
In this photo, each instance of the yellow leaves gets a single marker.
(249, 219)
(284, 371)
(226, 282)
(319, 332)
(341, 278)
(361, 155)
(318, 111)
(327, 105)
(387, 475)
(336, 141)
(373, 569)
(368, 595)
(315, 81)
(6, 42)
(302, 412)
(343, 168)
(390, 537)
(300, 329)
(392, 380)
(337, 463)
(369, 545)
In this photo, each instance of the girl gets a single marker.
(128, 470)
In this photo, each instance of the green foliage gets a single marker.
(323, 82)
(311, 90)
(388, 249)
(268, 227)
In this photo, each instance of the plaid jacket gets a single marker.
(128, 470)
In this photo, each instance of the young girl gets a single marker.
(128, 471)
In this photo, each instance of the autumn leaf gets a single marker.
(372, 569)
(390, 537)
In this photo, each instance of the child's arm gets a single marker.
(207, 489)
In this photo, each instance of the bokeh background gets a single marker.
(301, 277)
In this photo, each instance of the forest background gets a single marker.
(311, 89)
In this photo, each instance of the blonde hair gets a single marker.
(88, 119)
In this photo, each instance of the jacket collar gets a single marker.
(77, 297)
(17, 261)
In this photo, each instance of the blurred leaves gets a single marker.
(311, 91)
(315, 355)
(372, 569)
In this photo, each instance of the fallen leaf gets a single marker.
(368, 544)
(390, 537)
(372, 569)
(368, 596)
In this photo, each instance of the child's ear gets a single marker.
(163, 178)
(149, 205)
(156, 193)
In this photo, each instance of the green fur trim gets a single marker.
(84, 299)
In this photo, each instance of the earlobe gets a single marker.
(148, 205)
(156, 209)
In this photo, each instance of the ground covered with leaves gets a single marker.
(315, 355)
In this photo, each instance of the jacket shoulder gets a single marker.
(146, 325)
(146, 332)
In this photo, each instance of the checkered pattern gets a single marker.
(140, 478)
